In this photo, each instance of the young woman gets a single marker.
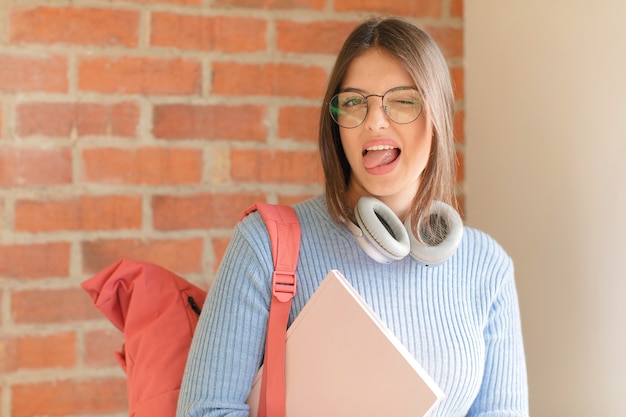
(386, 133)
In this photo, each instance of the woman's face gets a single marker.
(386, 158)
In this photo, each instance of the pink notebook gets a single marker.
(341, 360)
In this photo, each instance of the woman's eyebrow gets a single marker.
(352, 89)
(365, 92)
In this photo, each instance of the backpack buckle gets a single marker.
(284, 285)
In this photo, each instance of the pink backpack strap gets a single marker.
(284, 231)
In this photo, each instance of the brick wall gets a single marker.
(142, 128)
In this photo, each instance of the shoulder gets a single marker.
(480, 242)
(315, 219)
(482, 253)
(312, 213)
(308, 211)
(312, 210)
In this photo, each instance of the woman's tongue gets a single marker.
(377, 158)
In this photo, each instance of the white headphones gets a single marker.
(385, 239)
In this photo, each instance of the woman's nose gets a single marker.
(376, 117)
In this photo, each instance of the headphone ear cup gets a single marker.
(446, 219)
(383, 236)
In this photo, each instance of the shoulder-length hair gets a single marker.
(424, 61)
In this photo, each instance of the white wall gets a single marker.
(546, 157)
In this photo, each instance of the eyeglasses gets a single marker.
(401, 105)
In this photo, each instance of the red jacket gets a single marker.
(157, 311)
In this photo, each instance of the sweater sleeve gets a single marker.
(504, 388)
(228, 344)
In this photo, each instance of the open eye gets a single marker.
(352, 101)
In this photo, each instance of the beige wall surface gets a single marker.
(546, 175)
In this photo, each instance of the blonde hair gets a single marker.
(424, 61)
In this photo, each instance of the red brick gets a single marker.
(124, 119)
(37, 351)
(80, 119)
(180, 2)
(180, 255)
(184, 121)
(324, 37)
(274, 4)
(107, 27)
(456, 8)
(50, 305)
(293, 167)
(22, 167)
(35, 260)
(27, 73)
(299, 123)
(458, 82)
(291, 80)
(430, 8)
(81, 213)
(201, 211)
(219, 249)
(209, 33)
(154, 166)
(69, 397)
(449, 39)
(135, 75)
(459, 126)
(100, 347)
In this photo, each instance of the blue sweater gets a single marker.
(459, 319)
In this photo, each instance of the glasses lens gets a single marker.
(402, 105)
(348, 109)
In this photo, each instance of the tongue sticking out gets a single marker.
(376, 158)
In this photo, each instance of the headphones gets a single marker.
(385, 239)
